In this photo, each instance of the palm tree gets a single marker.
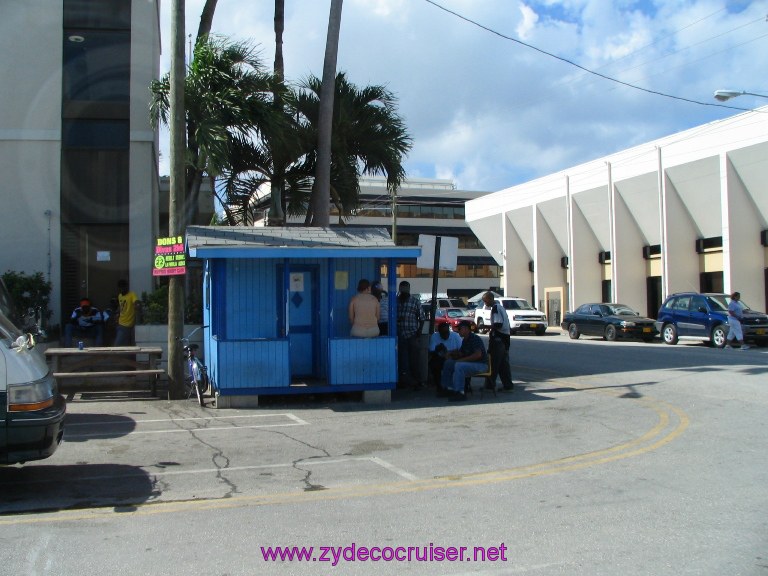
(228, 100)
(318, 212)
(368, 138)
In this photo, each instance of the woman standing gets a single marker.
(364, 312)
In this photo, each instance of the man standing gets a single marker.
(498, 344)
(470, 359)
(409, 322)
(735, 314)
(126, 319)
(441, 343)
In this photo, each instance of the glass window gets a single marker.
(103, 134)
(115, 14)
(96, 65)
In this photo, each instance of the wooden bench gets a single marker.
(104, 368)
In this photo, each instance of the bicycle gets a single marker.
(196, 374)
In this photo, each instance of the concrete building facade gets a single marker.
(78, 153)
(685, 212)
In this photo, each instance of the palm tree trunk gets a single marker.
(276, 209)
(206, 19)
(321, 189)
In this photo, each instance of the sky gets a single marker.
(502, 101)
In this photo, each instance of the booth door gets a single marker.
(303, 331)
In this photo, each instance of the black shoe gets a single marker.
(457, 397)
(509, 388)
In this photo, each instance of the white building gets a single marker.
(77, 151)
(685, 212)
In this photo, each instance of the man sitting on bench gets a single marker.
(470, 359)
(86, 322)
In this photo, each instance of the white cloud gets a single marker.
(489, 112)
(527, 24)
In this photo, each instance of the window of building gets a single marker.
(96, 66)
(114, 14)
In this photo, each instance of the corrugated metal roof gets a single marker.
(287, 236)
(242, 241)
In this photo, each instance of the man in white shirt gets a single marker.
(498, 344)
(441, 343)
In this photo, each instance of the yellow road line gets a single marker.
(672, 422)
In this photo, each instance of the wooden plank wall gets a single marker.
(253, 364)
(363, 361)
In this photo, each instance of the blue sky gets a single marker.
(489, 112)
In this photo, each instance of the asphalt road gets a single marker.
(609, 458)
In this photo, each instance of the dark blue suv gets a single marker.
(691, 315)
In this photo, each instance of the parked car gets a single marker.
(31, 409)
(522, 316)
(609, 320)
(704, 316)
(453, 316)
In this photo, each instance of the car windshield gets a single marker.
(720, 302)
(517, 305)
(622, 310)
(8, 330)
(456, 313)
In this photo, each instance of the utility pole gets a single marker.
(178, 128)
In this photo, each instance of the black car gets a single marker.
(697, 316)
(611, 321)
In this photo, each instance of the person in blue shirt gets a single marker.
(441, 343)
(85, 321)
(735, 315)
(470, 359)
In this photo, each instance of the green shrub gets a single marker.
(29, 291)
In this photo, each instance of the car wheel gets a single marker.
(669, 334)
(610, 333)
(541, 330)
(718, 336)
(573, 332)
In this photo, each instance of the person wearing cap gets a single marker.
(383, 297)
(441, 343)
(409, 322)
(468, 360)
(86, 321)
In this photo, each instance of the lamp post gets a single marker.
(723, 95)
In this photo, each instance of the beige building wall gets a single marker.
(671, 194)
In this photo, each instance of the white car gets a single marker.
(522, 317)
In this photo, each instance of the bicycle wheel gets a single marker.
(199, 379)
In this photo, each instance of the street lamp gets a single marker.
(723, 95)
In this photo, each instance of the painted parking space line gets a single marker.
(671, 423)
(291, 420)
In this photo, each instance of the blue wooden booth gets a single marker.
(275, 305)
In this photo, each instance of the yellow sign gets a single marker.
(170, 257)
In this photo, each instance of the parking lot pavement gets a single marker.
(127, 452)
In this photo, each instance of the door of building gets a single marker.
(94, 257)
(303, 320)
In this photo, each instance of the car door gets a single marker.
(682, 315)
(593, 322)
(698, 318)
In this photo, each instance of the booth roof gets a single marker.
(292, 242)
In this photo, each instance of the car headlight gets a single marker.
(31, 396)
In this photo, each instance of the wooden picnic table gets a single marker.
(72, 367)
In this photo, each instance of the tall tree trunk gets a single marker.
(277, 206)
(321, 189)
(206, 19)
(176, 198)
